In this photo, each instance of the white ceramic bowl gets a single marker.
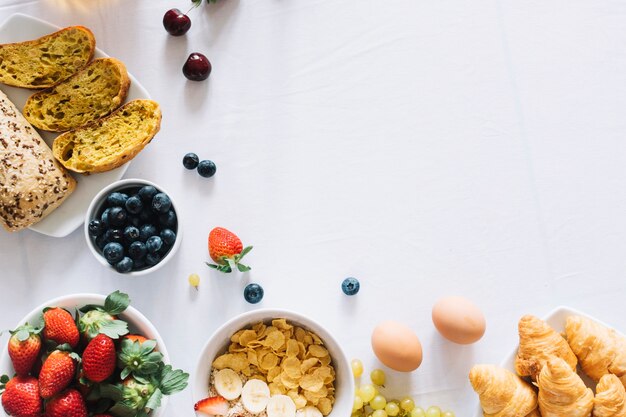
(96, 206)
(219, 341)
(137, 322)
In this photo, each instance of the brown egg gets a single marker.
(459, 320)
(397, 346)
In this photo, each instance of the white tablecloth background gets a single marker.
(428, 148)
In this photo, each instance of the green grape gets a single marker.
(448, 414)
(358, 403)
(433, 411)
(392, 409)
(418, 412)
(357, 368)
(379, 413)
(378, 377)
(378, 402)
(407, 404)
(367, 392)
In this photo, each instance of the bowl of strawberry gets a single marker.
(86, 355)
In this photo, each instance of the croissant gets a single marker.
(539, 342)
(561, 391)
(610, 398)
(600, 350)
(502, 393)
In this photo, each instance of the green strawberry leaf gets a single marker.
(121, 409)
(116, 303)
(173, 381)
(125, 372)
(243, 268)
(244, 252)
(65, 347)
(102, 406)
(112, 392)
(22, 335)
(89, 307)
(114, 328)
(154, 401)
(4, 379)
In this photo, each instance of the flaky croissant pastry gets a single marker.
(561, 391)
(538, 342)
(610, 398)
(502, 393)
(599, 350)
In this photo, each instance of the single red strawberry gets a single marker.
(99, 358)
(226, 250)
(24, 347)
(59, 326)
(21, 397)
(213, 406)
(67, 404)
(57, 372)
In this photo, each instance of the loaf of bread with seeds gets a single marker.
(92, 93)
(111, 141)
(32, 182)
(43, 62)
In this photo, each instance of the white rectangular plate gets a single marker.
(70, 215)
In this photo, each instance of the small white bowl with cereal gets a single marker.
(273, 363)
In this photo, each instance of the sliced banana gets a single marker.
(228, 384)
(281, 406)
(255, 395)
(309, 411)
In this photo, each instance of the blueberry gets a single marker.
(134, 221)
(147, 230)
(350, 286)
(101, 241)
(113, 252)
(131, 234)
(147, 193)
(133, 204)
(104, 217)
(147, 216)
(161, 203)
(168, 236)
(96, 228)
(153, 259)
(139, 263)
(168, 219)
(117, 217)
(190, 161)
(114, 235)
(206, 168)
(253, 293)
(153, 244)
(125, 265)
(137, 250)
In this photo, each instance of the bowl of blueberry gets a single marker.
(132, 227)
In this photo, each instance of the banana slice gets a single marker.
(281, 406)
(255, 395)
(309, 411)
(228, 384)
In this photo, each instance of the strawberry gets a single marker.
(213, 406)
(136, 338)
(21, 397)
(57, 372)
(59, 326)
(103, 319)
(102, 415)
(226, 250)
(99, 358)
(24, 347)
(67, 404)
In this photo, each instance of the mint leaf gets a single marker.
(154, 401)
(173, 381)
(116, 303)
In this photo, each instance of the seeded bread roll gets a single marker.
(43, 62)
(92, 93)
(32, 182)
(111, 141)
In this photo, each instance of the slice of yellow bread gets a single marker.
(92, 93)
(43, 62)
(111, 141)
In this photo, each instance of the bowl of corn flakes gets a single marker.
(273, 363)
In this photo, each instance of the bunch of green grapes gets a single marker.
(369, 402)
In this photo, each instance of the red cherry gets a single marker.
(176, 22)
(197, 67)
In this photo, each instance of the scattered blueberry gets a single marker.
(253, 293)
(96, 228)
(350, 286)
(117, 199)
(206, 168)
(168, 219)
(131, 234)
(153, 259)
(113, 252)
(153, 244)
(125, 265)
(137, 250)
(134, 205)
(190, 161)
(114, 235)
(104, 217)
(161, 203)
(146, 231)
(168, 236)
(117, 217)
(147, 192)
